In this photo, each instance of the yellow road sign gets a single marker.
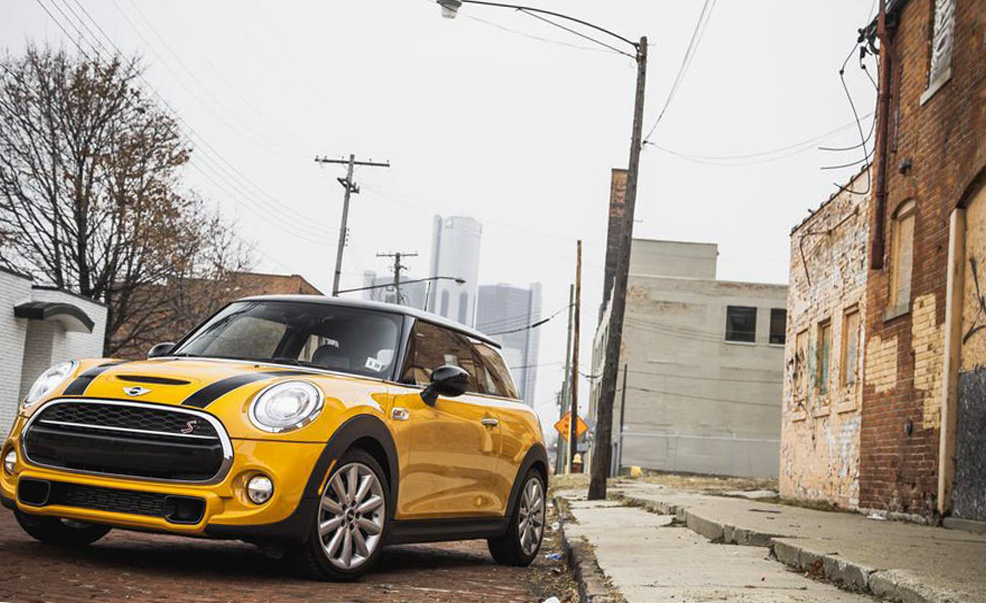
(563, 426)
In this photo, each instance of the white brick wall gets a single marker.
(28, 347)
(14, 290)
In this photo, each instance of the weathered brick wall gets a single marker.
(820, 433)
(944, 140)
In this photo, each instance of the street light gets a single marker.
(457, 280)
(604, 425)
(450, 8)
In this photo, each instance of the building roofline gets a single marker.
(13, 272)
(845, 188)
(67, 292)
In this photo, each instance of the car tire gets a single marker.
(349, 528)
(60, 532)
(522, 541)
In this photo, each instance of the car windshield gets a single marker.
(338, 338)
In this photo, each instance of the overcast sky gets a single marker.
(481, 118)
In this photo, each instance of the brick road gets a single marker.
(148, 567)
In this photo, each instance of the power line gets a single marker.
(704, 398)
(686, 61)
(531, 326)
(300, 230)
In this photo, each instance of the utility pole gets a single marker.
(602, 448)
(351, 188)
(574, 409)
(397, 269)
(561, 463)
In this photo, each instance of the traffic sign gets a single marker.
(563, 426)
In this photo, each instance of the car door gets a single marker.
(453, 446)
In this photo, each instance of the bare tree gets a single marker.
(89, 188)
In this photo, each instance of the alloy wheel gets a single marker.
(531, 524)
(351, 516)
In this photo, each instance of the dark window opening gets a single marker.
(741, 324)
(778, 326)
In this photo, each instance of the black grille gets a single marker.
(176, 509)
(127, 417)
(125, 440)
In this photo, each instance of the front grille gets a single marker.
(128, 439)
(176, 509)
(128, 417)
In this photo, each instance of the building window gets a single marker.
(823, 358)
(778, 326)
(903, 256)
(741, 324)
(849, 359)
(445, 303)
(941, 42)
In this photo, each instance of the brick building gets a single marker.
(826, 303)
(923, 431)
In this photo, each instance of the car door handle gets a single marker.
(490, 421)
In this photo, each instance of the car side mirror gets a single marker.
(161, 349)
(446, 380)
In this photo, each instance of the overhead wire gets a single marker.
(228, 173)
(686, 61)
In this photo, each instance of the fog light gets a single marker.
(9, 460)
(260, 489)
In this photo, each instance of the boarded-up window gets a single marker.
(778, 325)
(941, 41)
(801, 366)
(741, 324)
(823, 359)
(850, 346)
(903, 255)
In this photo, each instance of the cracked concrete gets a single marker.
(651, 557)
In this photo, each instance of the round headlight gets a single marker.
(286, 406)
(48, 381)
(10, 461)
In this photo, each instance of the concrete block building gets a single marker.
(40, 327)
(703, 365)
(823, 359)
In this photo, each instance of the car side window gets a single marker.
(432, 346)
(497, 379)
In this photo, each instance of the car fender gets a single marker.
(536, 455)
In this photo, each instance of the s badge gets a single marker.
(135, 391)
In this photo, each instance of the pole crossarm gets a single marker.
(541, 11)
(385, 164)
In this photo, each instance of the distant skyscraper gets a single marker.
(508, 308)
(455, 253)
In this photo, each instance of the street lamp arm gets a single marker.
(411, 282)
(542, 11)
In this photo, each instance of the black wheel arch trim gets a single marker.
(295, 528)
(535, 455)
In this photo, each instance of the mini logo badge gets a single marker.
(190, 426)
(135, 391)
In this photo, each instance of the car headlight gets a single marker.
(286, 406)
(48, 381)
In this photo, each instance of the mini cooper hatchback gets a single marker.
(321, 427)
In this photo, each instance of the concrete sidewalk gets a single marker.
(649, 557)
(890, 559)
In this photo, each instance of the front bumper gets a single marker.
(227, 512)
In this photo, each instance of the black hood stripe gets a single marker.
(212, 392)
(81, 383)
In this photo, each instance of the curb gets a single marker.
(581, 561)
(891, 584)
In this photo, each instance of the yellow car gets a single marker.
(315, 426)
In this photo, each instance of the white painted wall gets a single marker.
(695, 402)
(14, 290)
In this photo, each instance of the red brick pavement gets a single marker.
(130, 566)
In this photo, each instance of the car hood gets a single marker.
(221, 387)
